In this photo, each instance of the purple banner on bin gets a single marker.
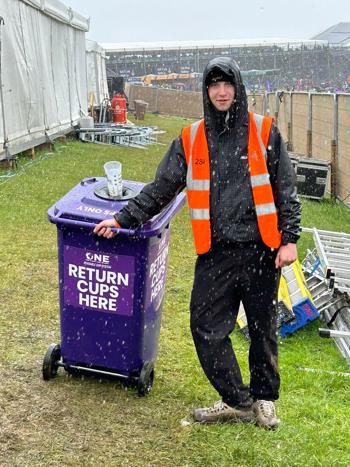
(157, 271)
(98, 281)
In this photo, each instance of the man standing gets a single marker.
(245, 218)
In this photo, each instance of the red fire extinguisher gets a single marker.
(118, 105)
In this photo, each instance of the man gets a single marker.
(245, 218)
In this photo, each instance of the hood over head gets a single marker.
(216, 75)
(224, 69)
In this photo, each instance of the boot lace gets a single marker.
(267, 408)
(218, 407)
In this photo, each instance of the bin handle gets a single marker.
(161, 233)
(86, 181)
(91, 225)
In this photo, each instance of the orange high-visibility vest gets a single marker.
(198, 182)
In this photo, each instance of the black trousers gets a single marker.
(224, 277)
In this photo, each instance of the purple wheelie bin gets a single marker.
(111, 290)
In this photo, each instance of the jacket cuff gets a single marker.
(288, 238)
(118, 220)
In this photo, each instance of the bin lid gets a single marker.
(81, 207)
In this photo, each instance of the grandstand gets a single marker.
(336, 34)
(301, 65)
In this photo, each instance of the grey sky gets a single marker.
(151, 20)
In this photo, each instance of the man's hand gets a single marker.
(104, 228)
(286, 255)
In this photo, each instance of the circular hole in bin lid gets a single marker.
(128, 192)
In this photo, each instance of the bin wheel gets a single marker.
(145, 381)
(50, 363)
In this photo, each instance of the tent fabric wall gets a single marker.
(56, 9)
(96, 72)
(43, 72)
(2, 120)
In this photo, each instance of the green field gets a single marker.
(72, 421)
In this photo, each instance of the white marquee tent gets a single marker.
(96, 72)
(43, 84)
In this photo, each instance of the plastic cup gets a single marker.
(113, 170)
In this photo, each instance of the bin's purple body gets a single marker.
(111, 290)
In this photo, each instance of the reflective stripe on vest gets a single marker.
(199, 214)
(198, 182)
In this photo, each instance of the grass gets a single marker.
(73, 421)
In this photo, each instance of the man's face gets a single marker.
(221, 95)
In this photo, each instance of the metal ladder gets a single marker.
(340, 329)
(295, 284)
(118, 134)
(330, 303)
(327, 271)
(333, 251)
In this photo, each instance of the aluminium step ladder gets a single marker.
(333, 252)
(340, 329)
(327, 271)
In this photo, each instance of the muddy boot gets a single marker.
(265, 414)
(221, 412)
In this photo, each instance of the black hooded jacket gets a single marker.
(232, 213)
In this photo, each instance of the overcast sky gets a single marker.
(151, 20)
